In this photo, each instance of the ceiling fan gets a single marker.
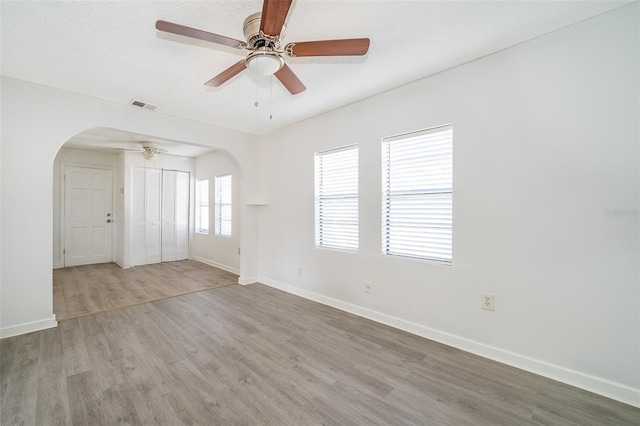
(150, 150)
(264, 32)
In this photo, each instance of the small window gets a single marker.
(417, 211)
(336, 198)
(202, 206)
(223, 205)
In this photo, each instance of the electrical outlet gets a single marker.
(488, 302)
(368, 288)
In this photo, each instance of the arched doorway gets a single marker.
(32, 133)
(137, 180)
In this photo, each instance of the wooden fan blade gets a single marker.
(182, 30)
(226, 74)
(344, 47)
(274, 13)
(289, 80)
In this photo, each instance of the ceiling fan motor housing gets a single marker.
(255, 39)
(264, 58)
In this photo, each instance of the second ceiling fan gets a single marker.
(264, 32)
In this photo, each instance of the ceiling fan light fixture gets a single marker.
(149, 155)
(264, 62)
(151, 150)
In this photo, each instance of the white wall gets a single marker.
(546, 140)
(218, 250)
(36, 121)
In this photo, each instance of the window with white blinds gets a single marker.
(202, 206)
(223, 205)
(336, 198)
(417, 211)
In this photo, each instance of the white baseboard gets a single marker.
(598, 385)
(57, 266)
(217, 265)
(28, 327)
(247, 280)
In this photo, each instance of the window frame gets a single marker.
(199, 229)
(221, 216)
(419, 211)
(341, 209)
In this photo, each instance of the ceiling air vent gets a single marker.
(142, 104)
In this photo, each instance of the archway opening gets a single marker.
(133, 219)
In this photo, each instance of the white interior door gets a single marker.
(159, 227)
(145, 216)
(87, 216)
(182, 215)
(137, 241)
(168, 215)
(153, 221)
(175, 215)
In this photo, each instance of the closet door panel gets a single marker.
(182, 215)
(154, 215)
(168, 215)
(159, 228)
(137, 228)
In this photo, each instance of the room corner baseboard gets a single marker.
(28, 327)
(217, 265)
(598, 385)
(247, 280)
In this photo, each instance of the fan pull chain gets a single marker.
(256, 103)
(271, 99)
(256, 96)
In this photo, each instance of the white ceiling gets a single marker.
(111, 50)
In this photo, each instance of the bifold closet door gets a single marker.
(175, 215)
(137, 225)
(168, 216)
(145, 222)
(154, 215)
(182, 215)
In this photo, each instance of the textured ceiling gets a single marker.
(111, 50)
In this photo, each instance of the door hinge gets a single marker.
(64, 251)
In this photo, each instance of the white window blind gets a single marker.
(202, 210)
(223, 205)
(417, 212)
(336, 198)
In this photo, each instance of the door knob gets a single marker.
(108, 220)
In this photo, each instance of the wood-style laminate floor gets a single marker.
(83, 290)
(254, 355)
